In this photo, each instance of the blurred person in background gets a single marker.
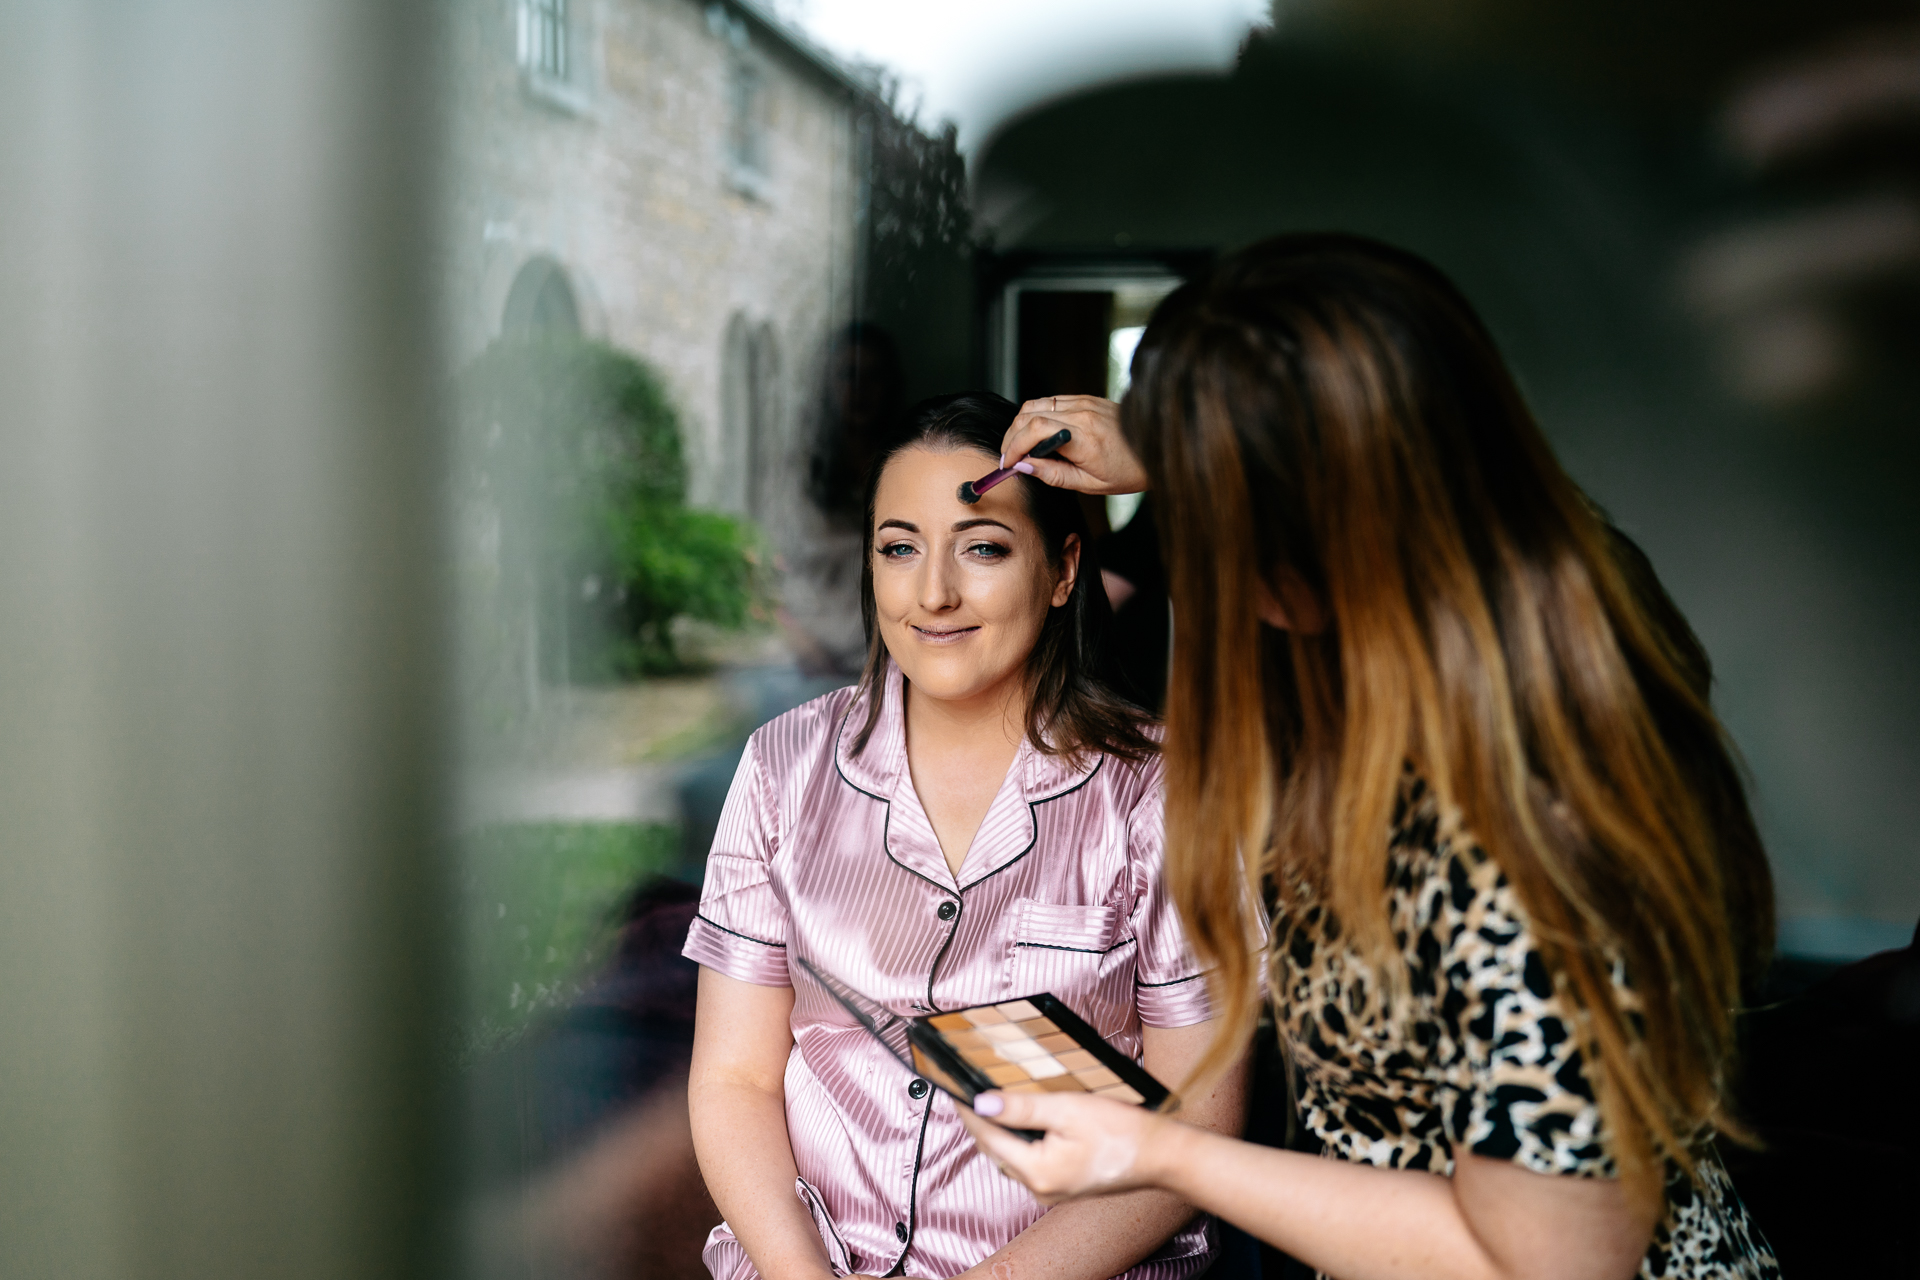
(978, 819)
(859, 407)
(1426, 699)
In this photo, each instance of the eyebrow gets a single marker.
(958, 525)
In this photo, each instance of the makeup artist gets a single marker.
(978, 819)
(1432, 705)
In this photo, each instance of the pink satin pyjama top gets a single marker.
(827, 855)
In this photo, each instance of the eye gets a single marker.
(989, 551)
(896, 550)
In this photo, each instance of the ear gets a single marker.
(1069, 570)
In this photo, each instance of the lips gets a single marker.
(944, 635)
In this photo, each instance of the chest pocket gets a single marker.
(1062, 949)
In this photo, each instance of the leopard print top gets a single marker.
(1487, 1062)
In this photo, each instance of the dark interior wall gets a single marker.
(1786, 537)
(1063, 343)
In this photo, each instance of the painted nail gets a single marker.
(1024, 467)
(988, 1104)
(1003, 462)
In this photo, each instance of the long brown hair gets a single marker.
(1329, 412)
(1072, 706)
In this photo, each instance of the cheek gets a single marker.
(892, 592)
(1019, 601)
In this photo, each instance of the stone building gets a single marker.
(680, 179)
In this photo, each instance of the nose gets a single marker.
(939, 585)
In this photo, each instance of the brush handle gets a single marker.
(971, 490)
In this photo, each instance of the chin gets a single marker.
(940, 676)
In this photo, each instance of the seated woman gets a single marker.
(978, 819)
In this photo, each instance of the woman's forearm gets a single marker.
(740, 1138)
(1491, 1220)
(1349, 1220)
(1088, 1239)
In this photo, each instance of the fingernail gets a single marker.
(1024, 467)
(1003, 462)
(988, 1104)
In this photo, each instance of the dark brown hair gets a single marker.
(1072, 706)
(1327, 411)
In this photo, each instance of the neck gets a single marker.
(993, 719)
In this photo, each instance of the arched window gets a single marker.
(748, 457)
(541, 301)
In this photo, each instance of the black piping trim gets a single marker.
(1089, 951)
(736, 933)
(1176, 982)
(1035, 818)
(886, 829)
(826, 1217)
(913, 1193)
(953, 927)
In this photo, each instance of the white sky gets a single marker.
(979, 62)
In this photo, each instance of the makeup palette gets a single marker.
(1031, 1045)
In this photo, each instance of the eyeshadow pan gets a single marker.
(1019, 1010)
(1037, 1027)
(1077, 1060)
(1062, 1084)
(1004, 1033)
(985, 1016)
(1096, 1077)
(1058, 1042)
(1045, 1068)
(1004, 1072)
(950, 1022)
(1124, 1092)
(926, 1068)
(1026, 1086)
(1022, 1051)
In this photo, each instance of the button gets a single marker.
(900, 1229)
(948, 910)
(918, 1089)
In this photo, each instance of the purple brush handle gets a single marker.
(1045, 449)
(991, 479)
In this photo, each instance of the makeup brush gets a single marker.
(970, 490)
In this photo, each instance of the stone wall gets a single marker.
(621, 174)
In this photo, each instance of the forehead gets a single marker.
(922, 485)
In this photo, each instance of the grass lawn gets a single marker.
(536, 903)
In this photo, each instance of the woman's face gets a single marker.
(960, 591)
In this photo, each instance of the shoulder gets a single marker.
(796, 739)
(1137, 784)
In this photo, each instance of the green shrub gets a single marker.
(574, 450)
(537, 901)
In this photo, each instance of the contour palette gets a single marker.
(1031, 1045)
(1016, 1047)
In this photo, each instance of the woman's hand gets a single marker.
(1093, 1145)
(1096, 460)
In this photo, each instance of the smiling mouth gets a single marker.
(947, 635)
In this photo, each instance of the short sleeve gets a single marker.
(1170, 988)
(1527, 1097)
(741, 928)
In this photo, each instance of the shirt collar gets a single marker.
(881, 769)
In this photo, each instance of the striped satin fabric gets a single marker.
(830, 856)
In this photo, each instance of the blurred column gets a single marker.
(219, 644)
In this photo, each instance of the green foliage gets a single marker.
(577, 448)
(538, 901)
